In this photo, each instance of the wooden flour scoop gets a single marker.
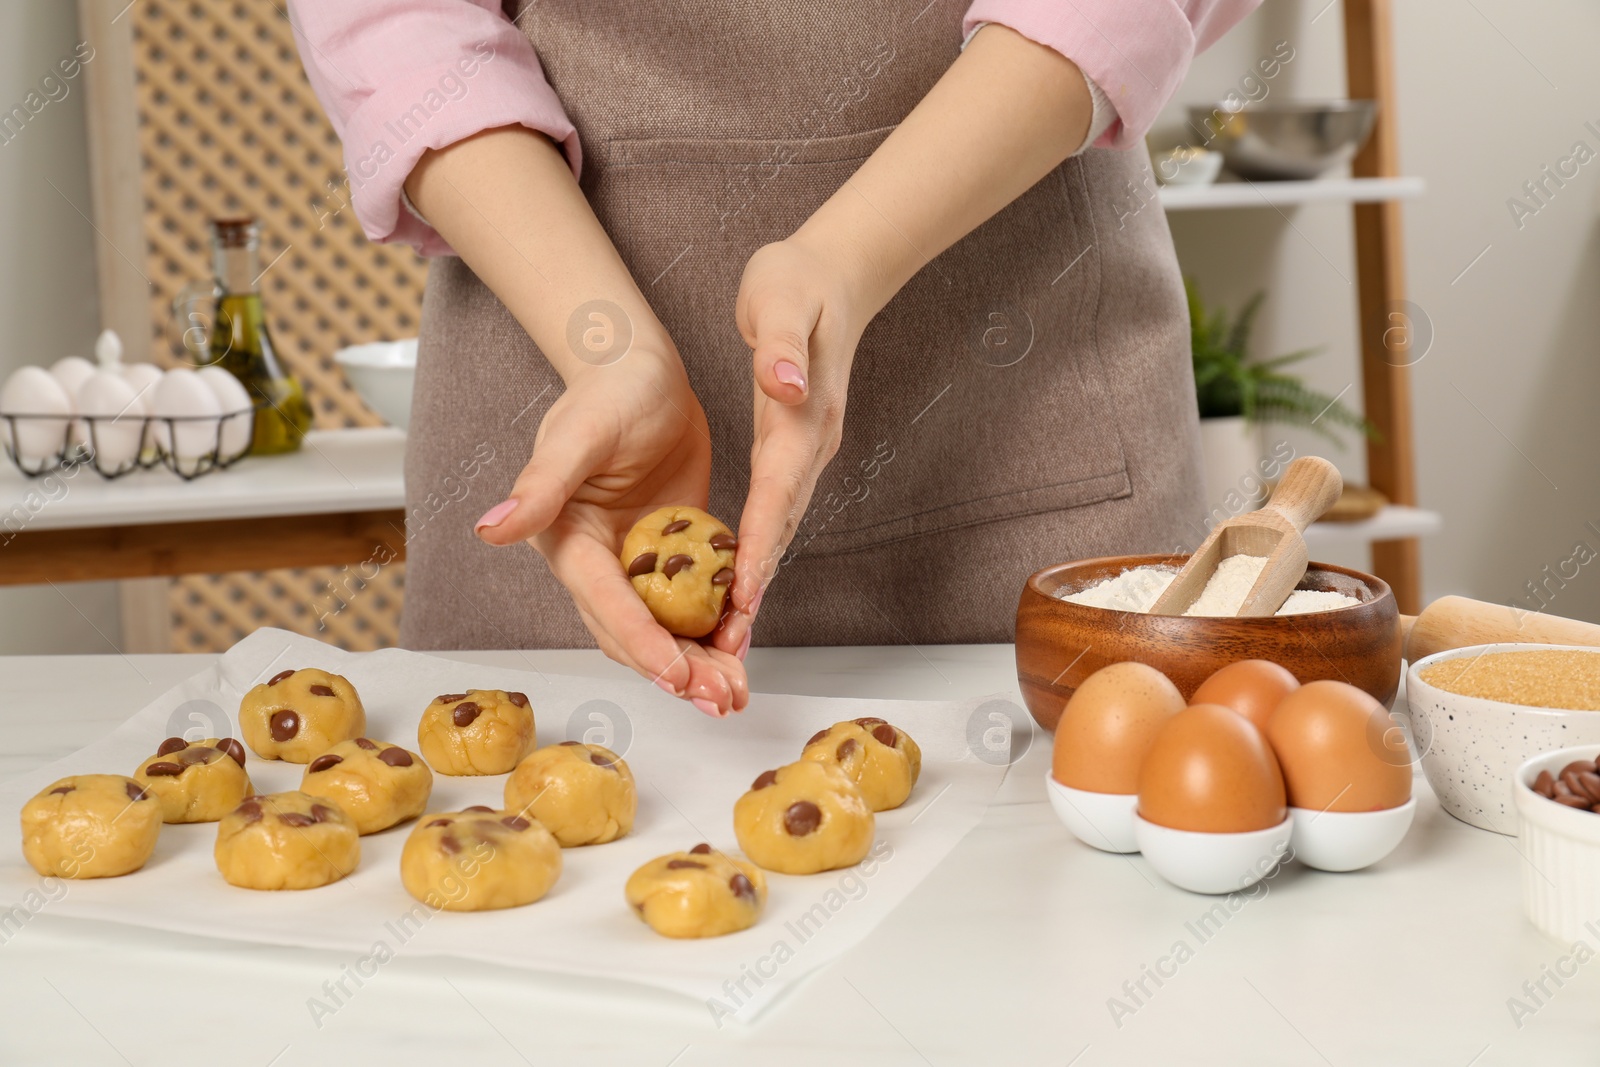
(1309, 487)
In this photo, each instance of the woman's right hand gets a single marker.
(625, 438)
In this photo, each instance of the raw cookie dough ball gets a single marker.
(698, 893)
(198, 782)
(298, 715)
(882, 761)
(804, 818)
(90, 826)
(681, 562)
(584, 794)
(377, 785)
(481, 731)
(286, 841)
(479, 859)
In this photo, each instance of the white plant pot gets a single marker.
(1231, 450)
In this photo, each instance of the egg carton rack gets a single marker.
(188, 445)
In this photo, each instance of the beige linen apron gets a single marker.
(1026, 399)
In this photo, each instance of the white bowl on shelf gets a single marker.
(1212, 863)
(1100, 820)
(1187, 166)
(1560, 850)
(1348, 840)
(382, 373)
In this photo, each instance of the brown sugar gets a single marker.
(1540, 678)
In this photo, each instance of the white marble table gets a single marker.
(1010, 953)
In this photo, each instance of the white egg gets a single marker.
(32, 397)
(113, 417)
(184, 397)
(144, 377)
(71, 372)
(236, 409)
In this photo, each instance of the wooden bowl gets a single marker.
(1059, 644)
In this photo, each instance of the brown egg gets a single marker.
(1339, 750)
(1252, 687)
(1108, 725)
(1211, 771)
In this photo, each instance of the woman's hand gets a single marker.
(802, 318)
(624, 439)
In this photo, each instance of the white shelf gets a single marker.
(1392, 523)
(1242, 194)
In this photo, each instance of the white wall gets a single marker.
(1489, 93)
(47, 288)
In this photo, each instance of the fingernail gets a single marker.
(744, 646)
(496, 515)
(664, 684)
(707, 707)
(789, 374)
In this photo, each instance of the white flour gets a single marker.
(1138, 590)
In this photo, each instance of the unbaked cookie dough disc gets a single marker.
(680, 561)
(297, 715)
(583, 794)
(481, 731)
(699, 893)
(199, 781)
(90, 826)
(378, 785)
(479, 859)
(803, 818)
(881, 760)
(286, 841)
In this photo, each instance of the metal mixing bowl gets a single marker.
(1284, 142)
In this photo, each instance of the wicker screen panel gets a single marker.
(228, 125)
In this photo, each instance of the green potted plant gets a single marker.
(1238, 396)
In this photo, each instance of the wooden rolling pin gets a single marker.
(1457, 622)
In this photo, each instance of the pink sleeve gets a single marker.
(398, 77)
(1137, 51)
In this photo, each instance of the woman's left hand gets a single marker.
(802, 320)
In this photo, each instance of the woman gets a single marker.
(650, 204)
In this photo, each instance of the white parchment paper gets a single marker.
(690, 769)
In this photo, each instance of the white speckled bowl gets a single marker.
(1472, 747)
(1560, 854)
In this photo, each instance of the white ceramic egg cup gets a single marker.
(1212, 863)
(1101, 820)
(1348, 840)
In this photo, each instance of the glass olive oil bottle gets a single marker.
(242, 345)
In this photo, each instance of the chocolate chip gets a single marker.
(602, 759)
(449, 698)
(519, 699)
(284, 725)
(678, 865)
(296, 818)
(363, 743)
(172, 744)
(675, 527)
(702, 849)
(449, 844)
(643, 563)
(478, 807)
(724, 542)
(196, 754)
(802, 818)
(676, 563)
(395, 757)
(818, 736)
(846, 749)
(465, 712)
(723, 577)
(250, 809)
(163, 770)
(233, 748)
(441, 822)
(741, 886)
(765, 779)
(323, 813)
(885, 734)
(280, 676)
(323, 762)
(136, 792)
(516, 822)
(868, 721)
(322, 690)
(63, 789)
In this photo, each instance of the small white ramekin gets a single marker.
(1560, 853)
(1212, 863)
(1348, 840)
(1103, 820)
